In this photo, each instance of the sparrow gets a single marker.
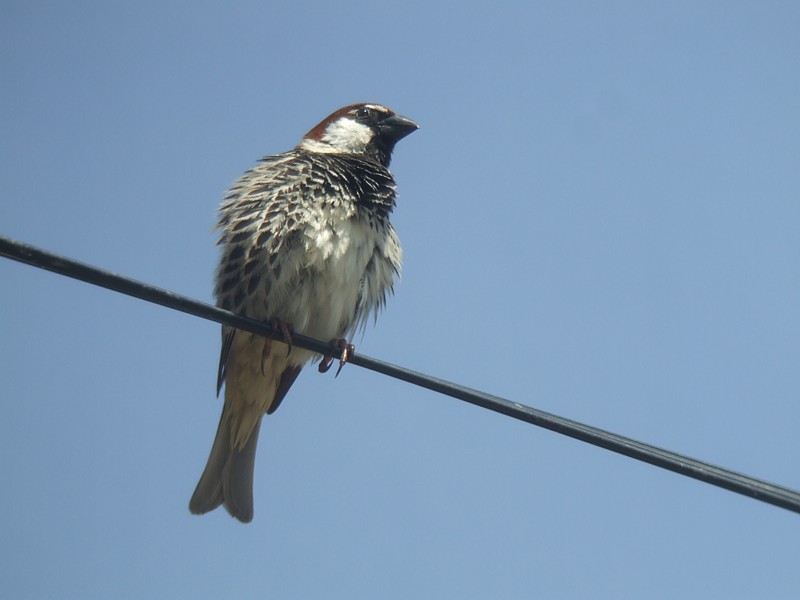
(306, 245)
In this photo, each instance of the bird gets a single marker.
(306, 245)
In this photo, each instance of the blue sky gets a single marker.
(600, 218)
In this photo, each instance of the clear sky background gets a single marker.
(601, 219)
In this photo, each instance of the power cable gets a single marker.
(730, 480)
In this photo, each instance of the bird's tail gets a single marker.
(228, 476)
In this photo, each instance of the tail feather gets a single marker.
(228, 477)
(257, 378)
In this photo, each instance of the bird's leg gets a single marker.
(347, 351)
(286, 329)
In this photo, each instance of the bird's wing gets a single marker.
(227, 341)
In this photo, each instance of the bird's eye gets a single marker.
(363, 112)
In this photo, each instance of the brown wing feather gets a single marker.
(286, 381)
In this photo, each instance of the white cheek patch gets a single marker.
(343, 135)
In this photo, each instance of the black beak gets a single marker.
(396, 127)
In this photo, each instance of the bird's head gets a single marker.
(371, 130)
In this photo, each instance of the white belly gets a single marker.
(318, 287)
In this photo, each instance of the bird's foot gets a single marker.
(346, 352)
(286, 329)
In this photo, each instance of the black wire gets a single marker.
(683, 465)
